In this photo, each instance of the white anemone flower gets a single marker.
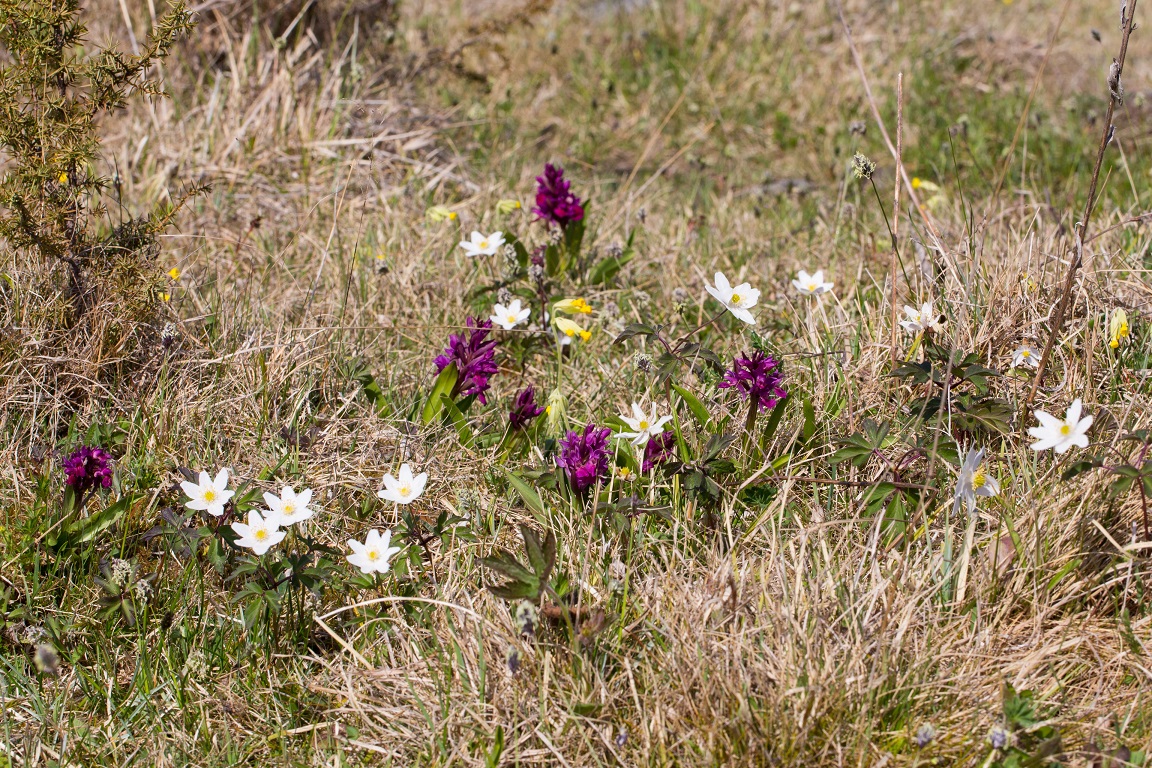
(738, 300)
(1061, 434)
(643, 427)
(404, 489)
(508, 317)
(374, 554)
(208, 495)
(481, 244)
(289, 507)
(259, 534)
(1025, 357)
(973, 481)
(811, 285)
(919, 320)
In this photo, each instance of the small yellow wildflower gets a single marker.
(570, 329)
(174, 273)
(573, 307)
(438, 213)
(63, 178)
(165, 296)
(1118, 327)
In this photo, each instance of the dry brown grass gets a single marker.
(793, 636)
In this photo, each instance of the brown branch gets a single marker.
(1115, 96)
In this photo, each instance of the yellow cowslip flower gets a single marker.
(1118, 327)
(570, 329)
(438, 213)
(174, 273)
(506, 207)
(573, 307)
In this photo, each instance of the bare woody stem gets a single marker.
(1115, 96)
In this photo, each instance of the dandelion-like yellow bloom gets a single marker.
(174, 273)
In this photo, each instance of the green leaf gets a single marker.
(443, 385)
(506, 564)
(515, 590)
(635, 329)
(694, 405)
(527, 494)
(86, 529)
(809, 418)
(774, 420)
(458, 420)
(608, 268)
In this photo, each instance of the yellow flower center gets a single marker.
(978, 479)
(260, 534)
(483, 244)
(373, 554)
(289, 509)
(643, 425)
(736, 298)
(1026, 353)
(811, 287)
(209, 495)
(405, 490)
(1066, 429)
(511, 318)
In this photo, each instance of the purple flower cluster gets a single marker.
(475, 358)
(658, 450)
(524, 409)
(554, 202)
(757, 377)
(86, 468)
(584, 457)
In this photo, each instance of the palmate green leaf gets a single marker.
(515, 590)
(505, 563)
(636, 329)
(443, 385)
(918, 372)
(541, 556)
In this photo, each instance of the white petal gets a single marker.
(743, 314)
(205, 479)
(722, 284)
(405, 475)
(1048, 420)
(1074, 411)
(418, 484)
(717, 295)
(221, 481)
(191, 490)
(818, 276)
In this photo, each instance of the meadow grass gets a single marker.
(816, 612)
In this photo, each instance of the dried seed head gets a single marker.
(999, 737)
(681, 296)
(643, 362)
(46, 660)
(924, 735)
(536, 272)
(526, 618)
(862, 167)
(614, 250)
(504, 296)
(512, 656)
(858, 128)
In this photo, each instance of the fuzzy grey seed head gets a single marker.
(536, 272)
(925, 735)
(46, 659)
(512, 656)
(142, 591)
(642, 215)
(862, 167)
(610, 310)
(999, 737)
(858, 128)
(119, 571)
(643, 362)
(168, 336)
(526, 618)
(467, 501)
(510, 263)
(642, 298)
(504, 296)
(555, 235)
(614, 250)
(681, 296)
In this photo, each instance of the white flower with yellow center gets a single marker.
(643, 427)
(259, 534)
(508, 317)
(738, 300)
(919, 320)
(1061, 434)
(374, 554)
(811, 285)
(405, 488)
(208, 495)
(481, 244)
(289, 507)
(1026, 357)
(973, 481)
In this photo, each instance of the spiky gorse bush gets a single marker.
(53, 96)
